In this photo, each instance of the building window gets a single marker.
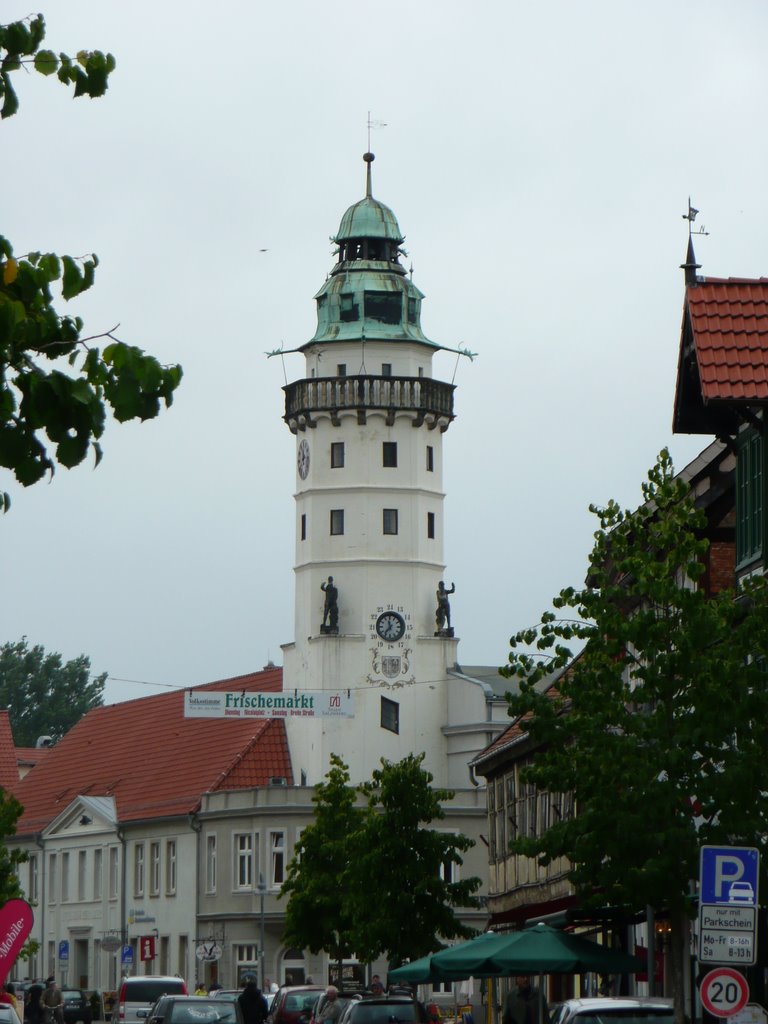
(389, 454)
(412, 310)
(210, 863)
(65, 878)
(449, 871)
(246, 960)
(52, 887)
(337, 455)
(154, 869)
(341, 369)
(34, 881)
(386, 307)
(81, 871)
(337, 522)
(386, 369)
(138, 869)
(749, 497)
(430, 459)
(170, 867)
(431, 525)
(390, 715)
(348, 308)
(277, 847)
(303, 526)
(98, 869)
(114, 873)
(243, 861)
(389, 523)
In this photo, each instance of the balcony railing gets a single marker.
(423, 396)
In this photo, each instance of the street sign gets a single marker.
(126, 955)
(728, 904)
(724, 992)
(64, 950)
(147, 947)
(729, 875)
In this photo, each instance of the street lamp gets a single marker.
(261, 888)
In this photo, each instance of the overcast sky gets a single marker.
(538, 157)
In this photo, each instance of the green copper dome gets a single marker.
(369, 218)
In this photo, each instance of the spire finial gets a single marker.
(691, 266)
(369, 158)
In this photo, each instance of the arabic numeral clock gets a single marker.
(390, 634)
(302, 458)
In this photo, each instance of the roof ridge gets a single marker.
(241, 755)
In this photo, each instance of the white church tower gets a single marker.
(369, 420)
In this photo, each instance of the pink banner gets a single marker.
(15, 925)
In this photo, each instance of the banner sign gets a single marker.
(15, 925)
(252, 704)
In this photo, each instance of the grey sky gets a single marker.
(538, 157)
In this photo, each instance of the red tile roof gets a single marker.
(728, 320)
(9, 769)
(155, 762)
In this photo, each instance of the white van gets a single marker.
(141, 993)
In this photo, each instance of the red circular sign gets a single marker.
(724, 992)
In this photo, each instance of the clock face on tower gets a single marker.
(390, 626)
(302, 459)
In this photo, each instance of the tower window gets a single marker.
(348, 308)
(389, 454)
(337, 454)
(431, 525)
(341, 370)
(337, 522)
(386, 369)
(390, 715)
(413, 310)
(389, 521)
(303, 526)
(430, 459)
(386, 307)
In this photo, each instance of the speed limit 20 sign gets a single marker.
(724, 992)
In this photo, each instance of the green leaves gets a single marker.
(20, 45)
(56, 415)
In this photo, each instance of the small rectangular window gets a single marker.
(138, 870)
(170, 867)
(341, 370)
(277, 865)
(386, 307)
(386, 369)
(348, 308)
(412, 310)
(154, 869)
(389, 454)
(430, 459)
(210, 863)
(390, 715)
(303, 526)
(390, 521)
(337, 455)
(431, 525)
(337, 522)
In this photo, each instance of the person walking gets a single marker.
(52, 1003)
(525, 1004)
(252, 1003)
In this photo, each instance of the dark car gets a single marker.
(385, 1010)
(292, 1002)
(343, 999)
(77, 1007)
(193, 1010)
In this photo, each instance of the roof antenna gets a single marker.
(368, 156)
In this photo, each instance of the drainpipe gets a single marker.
(197, 827)
(123, 892)
(40, 843)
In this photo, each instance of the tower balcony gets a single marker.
(427, 400)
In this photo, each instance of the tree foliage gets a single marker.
(373, 878)
(45, 695)
(660, 726)
(55, 386)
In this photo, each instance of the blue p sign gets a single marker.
(729, 875)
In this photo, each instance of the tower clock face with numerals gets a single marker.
(390, 631)
(390, 626)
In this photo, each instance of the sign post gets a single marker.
(724, 992)
(728, 904)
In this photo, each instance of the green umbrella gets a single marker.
(473, 957)
(432, 967)
(545, 950)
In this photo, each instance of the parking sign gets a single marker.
(729, 875)
(728, 905)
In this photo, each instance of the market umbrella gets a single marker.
(431, 968)
(545, 950)
(474, 957)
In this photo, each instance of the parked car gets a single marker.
(385, 1010)
(292, 1002)
(232, 994)
(141, 993)
(621, 1010)
(8, 1015)
(343, 999)
(77, 1006)
(193, 1010)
